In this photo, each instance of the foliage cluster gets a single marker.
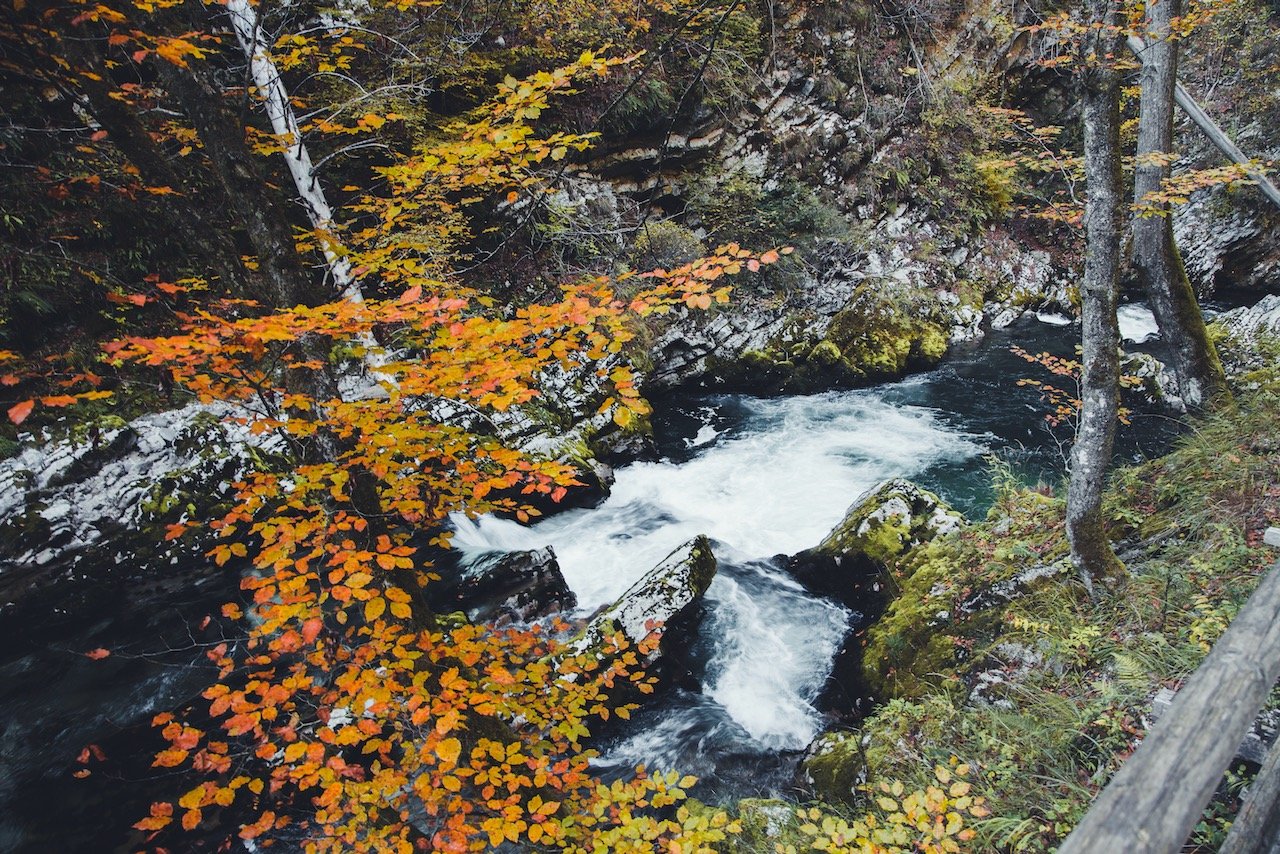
(345, 713)
(930, 820)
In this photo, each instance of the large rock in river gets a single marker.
(504, 587)
(849, 565)
(662, 600)
(883, 524)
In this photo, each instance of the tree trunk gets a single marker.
(249, 195)
(266, 77)
(1100, 380)
(1193, 358)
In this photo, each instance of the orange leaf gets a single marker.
(311, 628)
(411, 295)
(448, 751)
(170, 758)
(160, 816)
(19, 411)
(97, 654)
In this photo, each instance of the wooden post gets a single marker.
(1215, 133)
(1256, 829)
(1155, 799)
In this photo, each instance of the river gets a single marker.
(769, 477)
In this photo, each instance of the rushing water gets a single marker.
(764, 477)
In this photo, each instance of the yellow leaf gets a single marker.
(373, 608)
(448, 750)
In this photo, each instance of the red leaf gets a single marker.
(97, 654)
(19, 411)
(98, 136)
(311, 628)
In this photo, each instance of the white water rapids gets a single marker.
(763, 477)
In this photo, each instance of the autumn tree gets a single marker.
(1193, 358)
(1099, 290)
(346, 714)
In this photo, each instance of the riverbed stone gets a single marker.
(662, 600)
(505, 587)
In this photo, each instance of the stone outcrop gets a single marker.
(1253, 322)
(1228, 239)
(103, 495)
(663, 600)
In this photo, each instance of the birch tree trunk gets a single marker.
(1193, 358)
(284, 124)
(1100, 380)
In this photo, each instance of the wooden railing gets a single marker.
(1156, 798)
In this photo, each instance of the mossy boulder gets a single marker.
(888, 520)
(882, 525)
(880, 336)
(766, 823)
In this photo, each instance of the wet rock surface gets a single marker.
(504, 587)
(663, 600)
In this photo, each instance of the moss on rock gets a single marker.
(888, 520)
(835, 767)
(766, 822)
(882, 336)
(948, 597)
